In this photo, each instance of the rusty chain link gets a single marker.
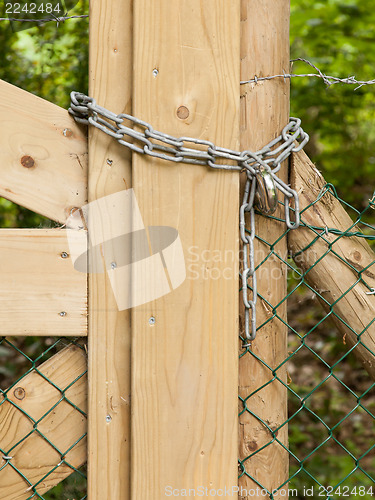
(261, 167)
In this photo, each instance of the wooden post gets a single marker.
(184, 361)
(264, 112)
(109, 329)
(335, 275)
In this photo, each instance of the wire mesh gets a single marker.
(38, 391)
(331, 419)
(331, 398)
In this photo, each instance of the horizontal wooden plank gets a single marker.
(64, 426)
(40, 291)
(43, 154)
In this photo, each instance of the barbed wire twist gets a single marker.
(53, 18)
(260, 167)
(328, 80)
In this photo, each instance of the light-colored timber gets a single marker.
(43, 155)
(264, 113)
(63, 425)
(40, 291)
(184, 366)
(334, 275)
(110, 83)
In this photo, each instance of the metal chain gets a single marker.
(261, 167)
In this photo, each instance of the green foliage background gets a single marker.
(336, 35)
(49, 62)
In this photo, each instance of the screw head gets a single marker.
(109, 162)
(108, 418)
(113, 265)
(64, 255)
(155, 72)
(152, 320)
(19, 392)
(62, 313)
(67, 132)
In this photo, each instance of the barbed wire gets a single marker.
(53, 18)
(328, 80)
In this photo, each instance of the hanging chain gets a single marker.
(261, 167)
(248, 261)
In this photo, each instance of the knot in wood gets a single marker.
(19, 393)
(27, 161)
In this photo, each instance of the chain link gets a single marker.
(261, 167)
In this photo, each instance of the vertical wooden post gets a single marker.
(109, 329)
(264, 112)
(184, 362)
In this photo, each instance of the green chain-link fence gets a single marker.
(331, 417)
(331, 398)
(31, 457)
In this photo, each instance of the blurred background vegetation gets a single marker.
(49, 62)
(338, 36)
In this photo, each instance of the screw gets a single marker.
(152, 320)
(155, 72)
(109, 162)
(62, 313)
(64, 255)
(19, 392)
(108, 418)
(67, 132)
(113, 265)
(73, 210)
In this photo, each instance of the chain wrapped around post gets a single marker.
(261, 167)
